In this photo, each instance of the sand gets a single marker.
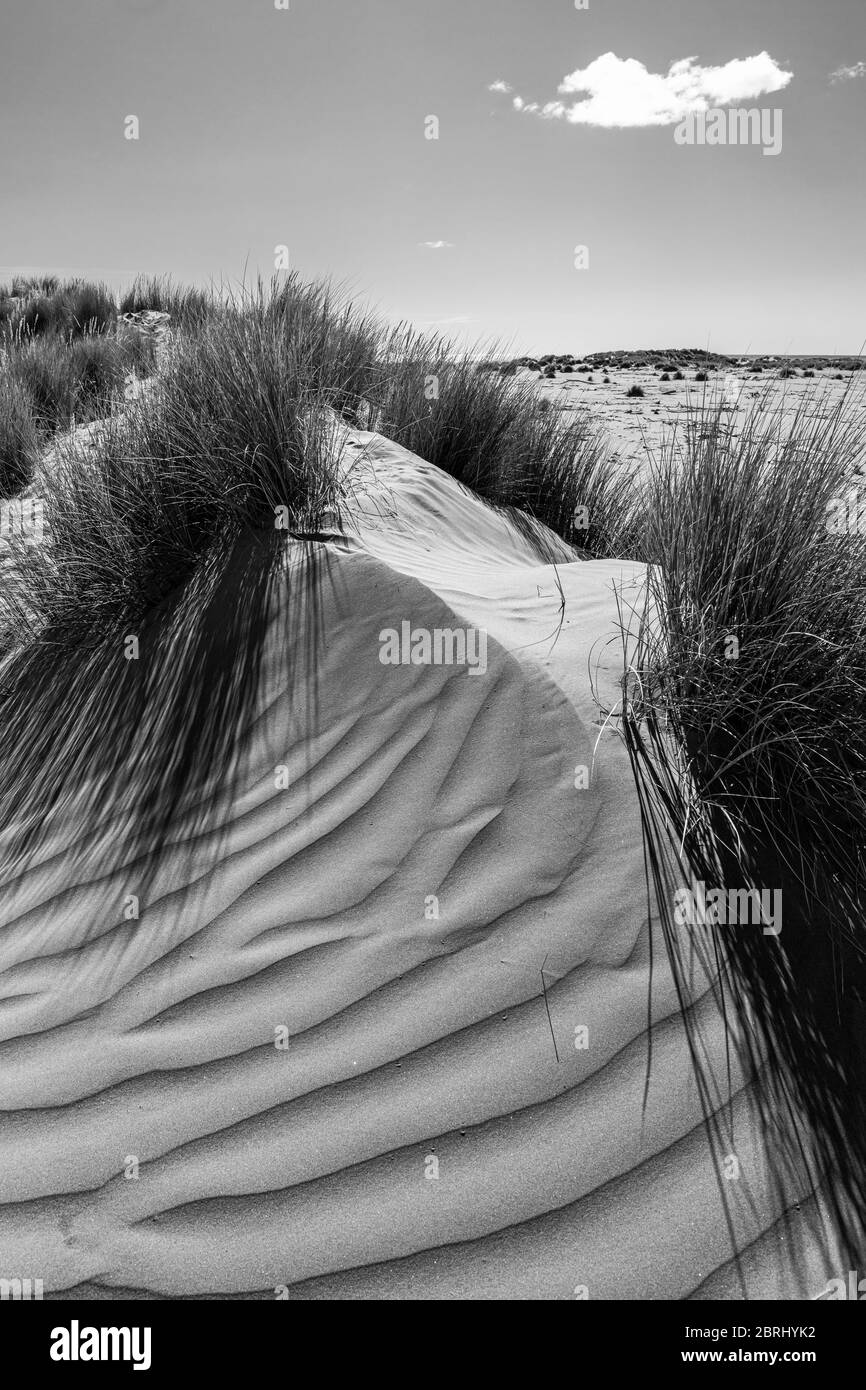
(634, 425)
(381, 1032)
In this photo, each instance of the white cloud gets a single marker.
(435, 245)
(620, 92)
(500, 86)
(848, 74)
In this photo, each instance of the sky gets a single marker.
(558, 128)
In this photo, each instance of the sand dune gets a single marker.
(341, 1051)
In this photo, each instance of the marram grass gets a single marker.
(744, 714)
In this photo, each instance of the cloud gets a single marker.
(435, 245)
(621, 92)
(500, 86)
(848, 74)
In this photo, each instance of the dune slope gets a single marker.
(380, 1027)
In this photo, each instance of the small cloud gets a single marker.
(435, 245)
(620, 92)
(500, 86)
(849, 74)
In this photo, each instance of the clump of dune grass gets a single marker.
(8, 308)
(170, 528)
(43, 367)
(496, 436)
(92, 308)
(99, 366)
(24, 285)
(19, 437)
(634, 393)
(743, 717)
(342, 349)
(68, 309)
(66, 380)
(40, 314)
(223, 440)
